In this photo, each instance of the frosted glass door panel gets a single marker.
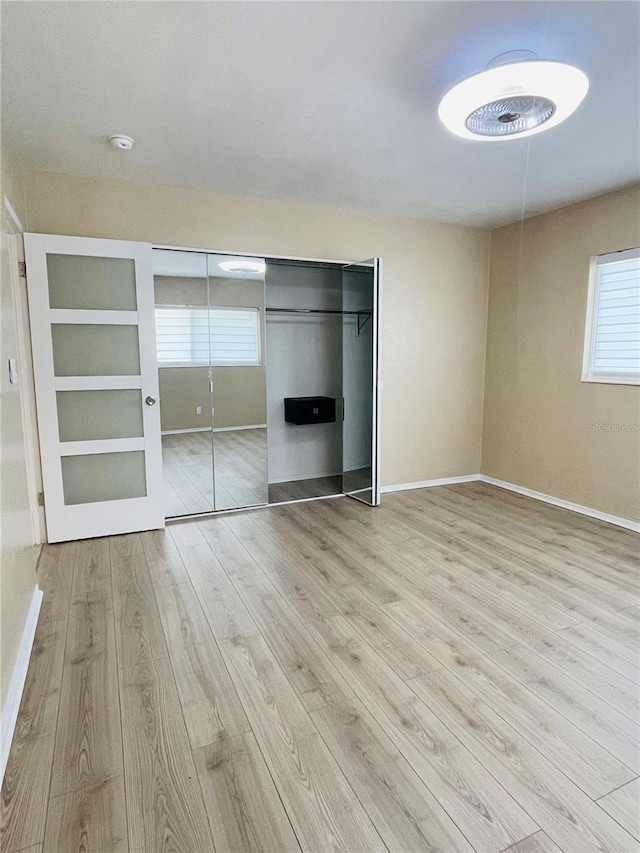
(94, 415)
(95, 350)
(103, 477)
(96, 381)
(85, 282)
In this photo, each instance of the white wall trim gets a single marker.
(427, 484)
(26, 382)
(185, 431)
(627, 523)
(261, 255)
(16, 686)
(234, 428)
(14, 216)
(215, 429)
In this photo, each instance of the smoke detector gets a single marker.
(122, 142)
(513, 98)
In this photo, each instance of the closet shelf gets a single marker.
(362, 316)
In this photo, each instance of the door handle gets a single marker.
(150, 401)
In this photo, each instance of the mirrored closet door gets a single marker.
(360, 381)
(236, 323)
(209, 332)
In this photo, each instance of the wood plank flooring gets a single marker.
(208, 470)
(296, 490)
(455, 671)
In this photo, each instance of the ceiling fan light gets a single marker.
(243, 266)
(514, 100)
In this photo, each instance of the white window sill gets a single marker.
(612, 380)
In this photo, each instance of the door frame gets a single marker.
(25, 372)
(376, 378)
(378, 386)
(378, 381)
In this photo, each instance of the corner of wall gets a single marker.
(536, 412)
(486, 350)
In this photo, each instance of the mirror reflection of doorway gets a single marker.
(210, 334)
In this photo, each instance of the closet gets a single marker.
(320, 344)
(175, 382)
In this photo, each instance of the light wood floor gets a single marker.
(295, 490)
(205, 471)
(454, 671)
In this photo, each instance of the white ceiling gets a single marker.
(325, 102)
(187, 264)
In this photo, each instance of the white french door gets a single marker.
(91, 308)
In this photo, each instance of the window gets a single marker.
(612, 334)
(187, 335)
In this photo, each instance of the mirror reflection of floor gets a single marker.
(204, 471)
(358, 482)
(296, 490)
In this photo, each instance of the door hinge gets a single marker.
(22, 269)
(40, 498)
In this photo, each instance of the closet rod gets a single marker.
(316, 311)
(365, 315)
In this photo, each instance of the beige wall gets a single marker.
(239, 397)
(538, 416)
(12, 178)
(17, 553)
(435, 293)
(239, 392)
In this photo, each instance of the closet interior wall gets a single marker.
(304, 359)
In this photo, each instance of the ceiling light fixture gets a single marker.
(513, 98)
(243, 266)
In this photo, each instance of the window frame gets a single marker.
(588, 374)
(211, 363)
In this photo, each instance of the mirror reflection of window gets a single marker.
(237, 310)
(190, 336)
(209, 336)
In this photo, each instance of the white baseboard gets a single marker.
(233, 429)
(215, 429)
(427, 484)
(185, 431)
(16, 686)
(627, 523)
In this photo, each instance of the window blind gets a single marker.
(188, 336)
(615, 346)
